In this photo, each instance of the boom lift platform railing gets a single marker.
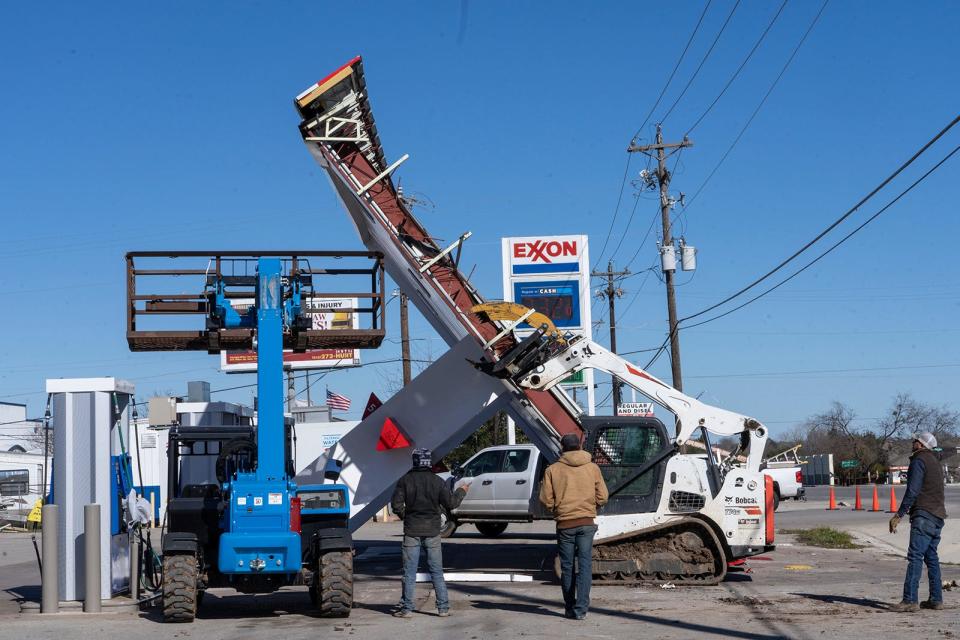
(172, 292)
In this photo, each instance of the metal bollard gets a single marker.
(134, 568)
(50, 572)
(91, 561)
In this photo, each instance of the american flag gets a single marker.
(337, 401)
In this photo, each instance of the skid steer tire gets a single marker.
(179, 588)
(333, 584)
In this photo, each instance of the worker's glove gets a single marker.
(894, 521)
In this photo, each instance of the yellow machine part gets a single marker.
(512, 312)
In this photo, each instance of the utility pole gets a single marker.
(663, 178)
(612, 293)
(405, 339)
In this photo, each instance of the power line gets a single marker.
(761, 374)
(626, 169)
(763, 101)
(839, 220)
(739, 69)
(675, 67)
(830, 249)
(616, 210)
(702, 61)
(365, 364)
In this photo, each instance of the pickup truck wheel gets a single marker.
(448, 524)
(776, 497)
(491, 529)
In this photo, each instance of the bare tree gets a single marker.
(944, 424)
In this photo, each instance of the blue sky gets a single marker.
(136, 128)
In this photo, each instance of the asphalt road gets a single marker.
(795, 592)
(870, 527)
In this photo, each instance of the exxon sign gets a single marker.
(551, 254)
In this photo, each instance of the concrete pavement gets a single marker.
(794, 592)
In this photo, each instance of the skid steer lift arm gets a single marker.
(543, 360)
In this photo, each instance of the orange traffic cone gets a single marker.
(858, 505)
(876, 500)
(833, 500)
(893, 500)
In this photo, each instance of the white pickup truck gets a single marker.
(787, 481)
(504, 488)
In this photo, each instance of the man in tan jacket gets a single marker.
(572, 489)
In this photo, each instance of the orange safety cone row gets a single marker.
(833, 500)
(876, 500)
(893, 500)
(858, 505)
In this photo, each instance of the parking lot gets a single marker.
(795, 592)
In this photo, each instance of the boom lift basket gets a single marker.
(185, 284)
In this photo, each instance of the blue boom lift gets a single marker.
(250, 527)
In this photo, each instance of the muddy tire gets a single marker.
(491, 529)
(180, 595)
(332, 588)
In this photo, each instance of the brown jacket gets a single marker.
(572, 489)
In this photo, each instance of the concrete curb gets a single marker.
(114, 605)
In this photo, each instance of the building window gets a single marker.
(14, 482)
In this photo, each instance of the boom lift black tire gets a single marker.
(179, 588)
(491, 529)
(332, 588)
(776, 496)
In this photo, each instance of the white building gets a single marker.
(16, 432)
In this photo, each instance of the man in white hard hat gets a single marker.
(924, 502)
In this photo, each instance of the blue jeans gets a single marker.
(924, 538)
(576, 542)
(411, 561)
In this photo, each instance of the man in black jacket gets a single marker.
(418, 498)
(924, 502)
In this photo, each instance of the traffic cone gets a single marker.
(876, 500)
(833, 500)
(893, 500)
(858, 505)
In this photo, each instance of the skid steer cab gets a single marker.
(223, 532)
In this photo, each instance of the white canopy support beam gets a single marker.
(383, 174)
(456, 244)
(334, 124)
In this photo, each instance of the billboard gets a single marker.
(334, 314)
(552, 275)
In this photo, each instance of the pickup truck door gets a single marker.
(514, 484)
(480, 472)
